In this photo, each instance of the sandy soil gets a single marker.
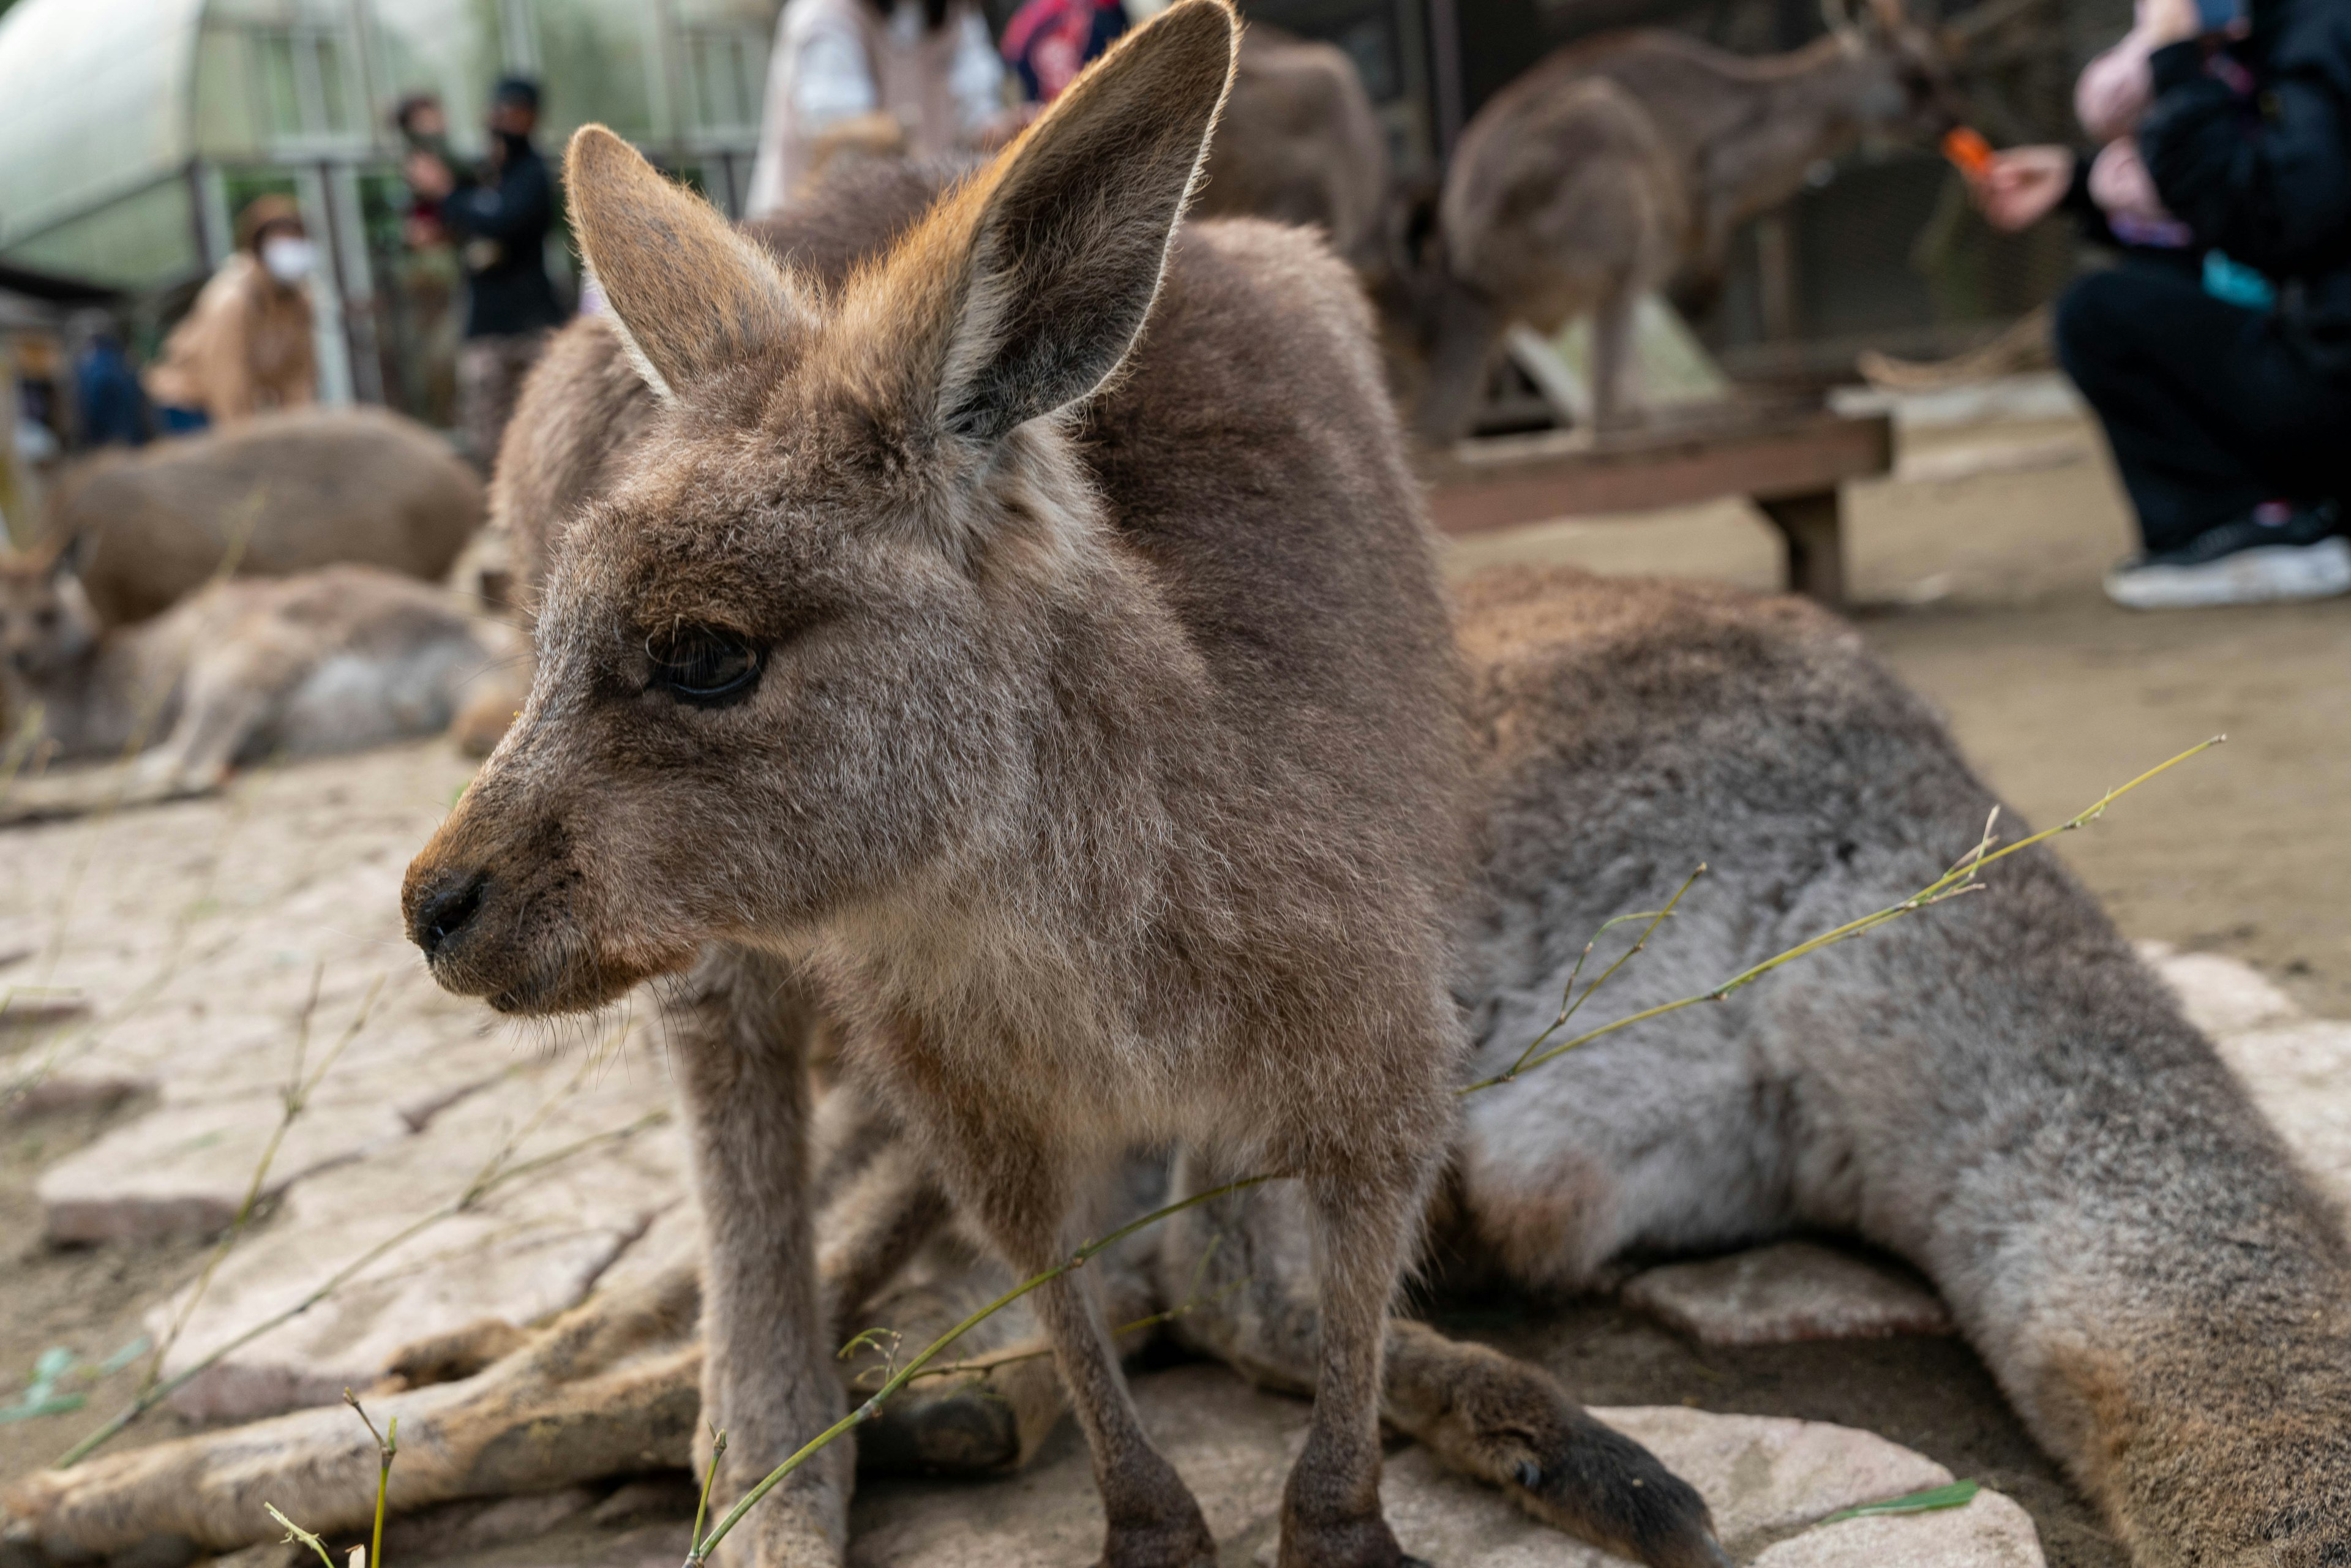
(1978, 565)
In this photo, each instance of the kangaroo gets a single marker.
(1995, 1089)
(1623, 162)
(278, 494)
(1110, 788)
(1299, 142)
(323, 662)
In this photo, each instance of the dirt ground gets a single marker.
(1976, 565)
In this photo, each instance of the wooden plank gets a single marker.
(1505, 483)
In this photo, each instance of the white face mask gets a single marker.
(288, 259)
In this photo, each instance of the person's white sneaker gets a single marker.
(2250, 561)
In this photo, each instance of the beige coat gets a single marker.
(246, 347)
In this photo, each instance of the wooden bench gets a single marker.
(1791, 462)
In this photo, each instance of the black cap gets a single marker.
(518, 90)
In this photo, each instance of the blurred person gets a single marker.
(498, 217)
(2222, 384)
(1049, 42)
(248, 344)
(915, 76)
(428, 279)
(110, 408)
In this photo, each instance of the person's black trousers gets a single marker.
(2210, 410)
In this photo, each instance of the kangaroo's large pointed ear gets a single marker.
(691, 295)
(1062, 243)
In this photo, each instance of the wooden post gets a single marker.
(1814, 526)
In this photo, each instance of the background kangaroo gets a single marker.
(277, 494)
(1628, 161)
(1994, 1089)
(321, 662)
(1113, 789)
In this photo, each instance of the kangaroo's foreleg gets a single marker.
(1238, 1277)
(740, 1028)
(1616, 359)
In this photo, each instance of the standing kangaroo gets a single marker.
(1624, 162)
(1111, 790)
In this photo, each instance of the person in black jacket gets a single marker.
(2230, 419)
(499, 218)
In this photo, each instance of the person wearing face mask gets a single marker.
(246, 345)
(497, 217)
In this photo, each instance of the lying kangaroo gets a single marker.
(1110, 788)
(277, 494)
(1627, 161)
(323, 662)
(1995, 1089)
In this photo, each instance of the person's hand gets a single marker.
(427, 176)
(2168, 21)
(2023, 184)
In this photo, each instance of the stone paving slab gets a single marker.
(1785, 1292)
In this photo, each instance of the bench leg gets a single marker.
(1813, 527)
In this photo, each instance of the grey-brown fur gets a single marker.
(248, 668)
(280, 493)
(1102, 773)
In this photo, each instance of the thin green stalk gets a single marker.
(387, 1447)
(702, 1503)
(296, 1533)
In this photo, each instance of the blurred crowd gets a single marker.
(2214, 168)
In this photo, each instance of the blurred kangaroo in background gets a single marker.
(1096, 755)
(1299, 142)
(1627, 162)
(1995, 1089)
(277, 494)
(248, 668)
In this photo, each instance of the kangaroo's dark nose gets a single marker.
(442, 913)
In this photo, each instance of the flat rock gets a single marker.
(2299, 1074)
(530, 1248)
(1767, 1479)
(1787, 1291)
(1990, 1532)
(186, 1169)
(2221, 995)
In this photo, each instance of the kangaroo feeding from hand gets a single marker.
(1036, 642)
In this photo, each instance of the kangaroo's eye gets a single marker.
(703, 665)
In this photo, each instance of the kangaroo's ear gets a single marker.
(1064, 242)
(691, 295)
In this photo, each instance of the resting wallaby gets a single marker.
(1995, 1089)
(1626, 161)
(277, 494)
(322, 662)
(1110, 789)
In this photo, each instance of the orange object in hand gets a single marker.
(1967, 148)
